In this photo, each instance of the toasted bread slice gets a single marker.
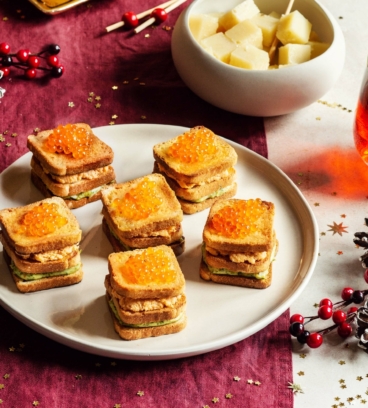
(143, 282)
(67, 235)
(258, 241)
(100, 154)
(55, 263)
(223, 158)
(243, 281)
(84, 181)
(43, 283)
(176, 242)
(132, 333)
(167, 214)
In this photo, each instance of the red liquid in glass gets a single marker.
(361, 124)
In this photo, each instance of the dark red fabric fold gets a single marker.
(132, 77)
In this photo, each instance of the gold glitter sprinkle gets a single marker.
(98, 106)
(115, 87)
(14, 134)
(111, 123)
(2, 386)
(228, 396)
(6, 376)
(78, 377)
(300, 373)
(89, 99)
(71, 104)
(337, 228)
(295, 388)
(236, 378)
(215, 400)
(140, 393)
(91, 94)
(35, 403)
(98, 98)
(114, 116)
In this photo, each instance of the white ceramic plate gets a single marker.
(218, 315)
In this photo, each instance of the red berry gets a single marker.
(30, 73)
(4, 48)
(33, 61)
(52, 60)
(296, 318)
(314, 340)
(353, 309)
(159, 14)
(57, 72)
(366, 275)
(339, 316)
(325, 312)
(325, 301)
(6, 71)
(22, 55)
(130, 19)
(344, 330)
(346, 293)
(357, 296)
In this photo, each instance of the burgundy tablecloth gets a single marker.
(119, 78)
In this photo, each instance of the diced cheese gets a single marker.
(243, 11)
(294, 28)
(275, 14)
(268, 25)
(317, 48)
(203, 25)
(219, 46)
(245, 33)
(250, 57)
(291, 54)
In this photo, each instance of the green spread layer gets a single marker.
(36, 276)
(224, 271)
(86, 194)
(217, 193)
(151, 324)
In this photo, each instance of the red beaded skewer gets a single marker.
(131, 20)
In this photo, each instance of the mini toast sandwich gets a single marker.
(72, 163)
(145, 293)
(239, 243)
(199, 167)
(41, 245)
(142, 213)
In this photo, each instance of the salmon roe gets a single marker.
(69, 139)
(238, 219)
(149, 267)
(41, 220)
(139, 202)
(193, 146)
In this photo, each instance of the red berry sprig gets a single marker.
(30, 63)
(342, 320)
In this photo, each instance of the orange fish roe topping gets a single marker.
(139, 202)
(238, 219)
(41, 220)
(149, 267)
(193, 146)
(69, 139)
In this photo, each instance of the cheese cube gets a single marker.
(245, 33)
(219, 46)
(243, 11)
(275, 14)
(250, 57)
(317, 48)
(314, 36)
(291, 54)
(268, 25)
(203, 25)
(293, 28)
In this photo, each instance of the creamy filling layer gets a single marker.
(37, 276)
(87, 194)
(142, 325)
(217, 193)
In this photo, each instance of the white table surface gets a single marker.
(315, 148)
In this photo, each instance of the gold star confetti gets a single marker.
(7, 144)
(126, 82)
(90, 100)
(2, 386)
(36, 130)
(117, 406)
(363, 401)
(143, 117)
(11, 348)
(6, 132)
(71, 104)
(111, 123)
(302, 355)
(323, 234)
(98, 98)
(359, 378)
(343, 386)
(341, 381)
(250, 381)
(14, 134)
(136, 79)
(300, 373)
(206, 406)
(358, 396)
(257, 383)
(91, 94)
(142, 83)
(318, 118)
(140, 393)
(113, 363)
(228, 396)
(6, 376)
(337, 228)
(98, 106)
(114, 116)
(2, 139)
(350, 399)
(339, 253)
(115, 87)
(1, 401)
(343, 215)
(295, 388)
(236, 378)
(342, 362)
(215, 400)
(5, 18)
(166, 28)
(78, 377)
(35, 403)
(337, 399)
(147, 36)
(316, 204)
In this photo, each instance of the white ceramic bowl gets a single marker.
(259, 93)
